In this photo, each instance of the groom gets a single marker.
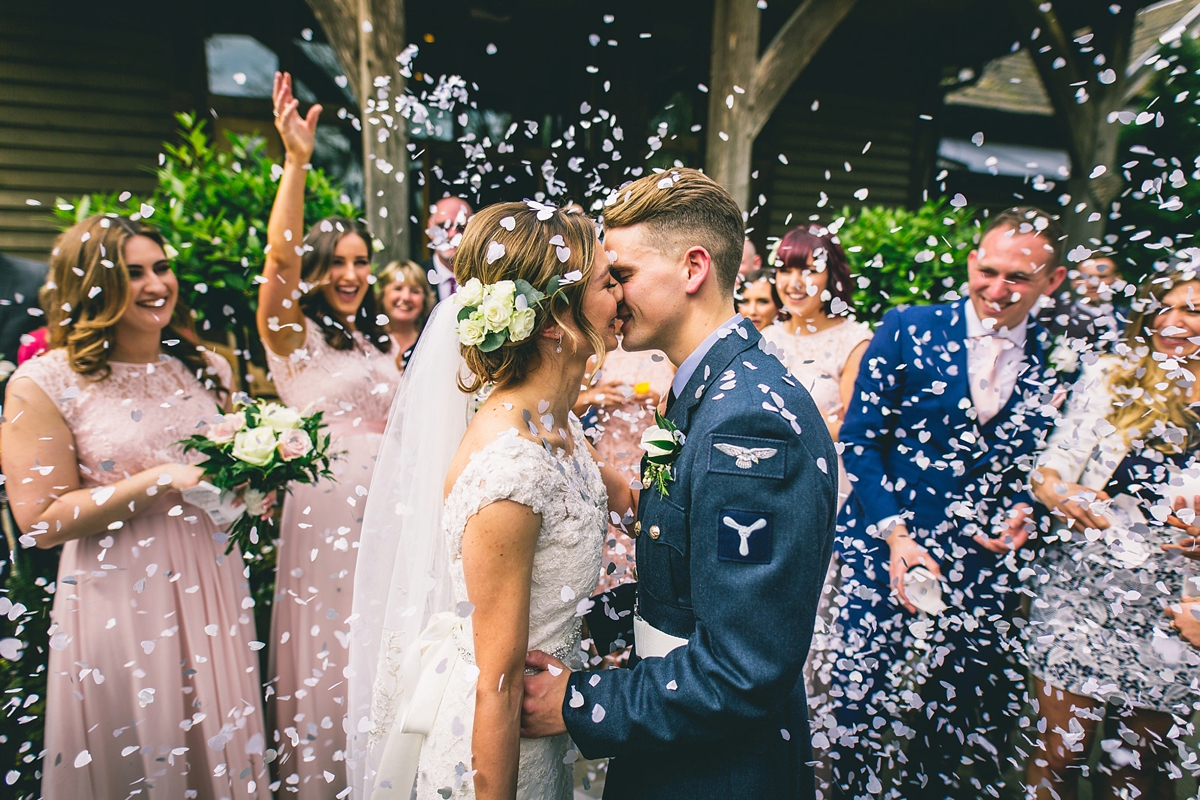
(732, 556)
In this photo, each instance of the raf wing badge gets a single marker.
(751, 456)
(745, 457)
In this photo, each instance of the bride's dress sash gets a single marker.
(424, 675)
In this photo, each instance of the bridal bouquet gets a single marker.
(254, 451)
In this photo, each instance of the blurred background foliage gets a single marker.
(212, 204)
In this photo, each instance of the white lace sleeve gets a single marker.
(511, 468)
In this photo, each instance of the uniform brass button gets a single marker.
(655, 532)
(637, 529)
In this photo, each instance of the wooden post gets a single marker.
(745, 89)
(1085, 96)
(367, 35)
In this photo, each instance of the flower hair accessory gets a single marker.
(489, 315)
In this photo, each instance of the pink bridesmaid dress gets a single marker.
(153, 685)
(317, 549)
(620, 425)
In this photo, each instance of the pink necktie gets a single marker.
(985, 388)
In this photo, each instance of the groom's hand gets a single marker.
(541, 710)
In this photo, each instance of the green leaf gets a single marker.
(492, 341)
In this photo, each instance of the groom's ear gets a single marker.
(699, 266)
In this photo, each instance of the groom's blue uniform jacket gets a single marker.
(733, 560)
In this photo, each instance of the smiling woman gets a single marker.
(93, 429)
(329, 350)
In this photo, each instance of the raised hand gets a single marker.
(298, 133)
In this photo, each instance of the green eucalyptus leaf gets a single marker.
(492, 341)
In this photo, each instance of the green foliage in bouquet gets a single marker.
(261, 448)
(901, 257)
(211, 205)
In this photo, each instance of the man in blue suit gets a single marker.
(948, 410)
(732, 544)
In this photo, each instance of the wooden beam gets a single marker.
(745, 90)
(790, 52)
(366, 36)
(1084, 105)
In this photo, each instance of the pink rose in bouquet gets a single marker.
(294, 443)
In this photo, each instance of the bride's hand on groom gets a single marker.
(541, 709)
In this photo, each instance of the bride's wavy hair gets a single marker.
(1149, 405)
(87, 292)
(528, 255)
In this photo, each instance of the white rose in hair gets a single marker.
(255, 446)
(521, 325)
(503, 290)
(279, 418)
(471, 330)
(469, 294)
(497, 311)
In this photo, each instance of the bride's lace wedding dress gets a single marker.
(568, 493)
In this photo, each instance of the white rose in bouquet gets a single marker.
(279, 418)
(255, 446)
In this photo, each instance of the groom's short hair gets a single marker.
(682, 208)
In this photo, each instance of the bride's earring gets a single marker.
(558, 349)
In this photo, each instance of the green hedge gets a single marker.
(901, 257)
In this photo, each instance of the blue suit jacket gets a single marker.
(912, 442)
(743, 541)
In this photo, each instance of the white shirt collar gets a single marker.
(688, 367)
(976, 330)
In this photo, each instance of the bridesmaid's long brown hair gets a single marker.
(90, 256)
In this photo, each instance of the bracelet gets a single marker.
(287, 157)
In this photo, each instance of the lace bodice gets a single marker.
(818, 359)
(347, 385)
(570, 496)
(131, 420)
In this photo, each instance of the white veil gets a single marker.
(403, 572)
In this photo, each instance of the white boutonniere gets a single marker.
(1063, 357)
(662, 442)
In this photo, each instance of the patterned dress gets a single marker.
(317, 550)
(153, 687)
(1097, 626)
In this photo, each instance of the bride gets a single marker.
(482, 541)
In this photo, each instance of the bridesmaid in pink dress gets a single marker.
(153, 685)
(623, 396)
(318, 316)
